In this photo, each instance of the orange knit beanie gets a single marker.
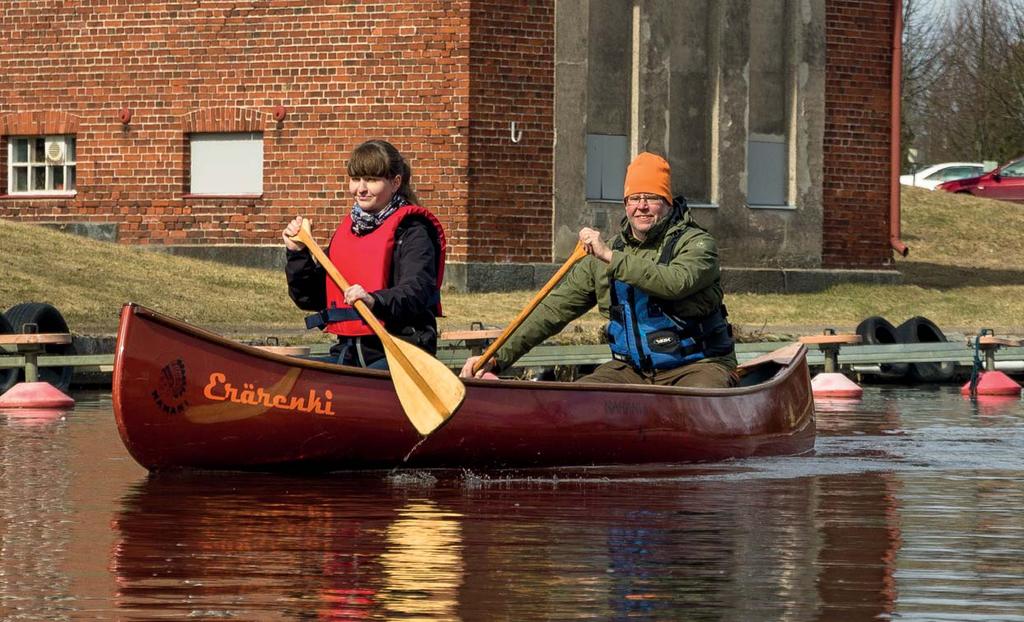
(648, 173)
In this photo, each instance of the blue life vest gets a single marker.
(642, 334)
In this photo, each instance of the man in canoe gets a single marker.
(388, 248)
(657, 282)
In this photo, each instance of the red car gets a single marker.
(1005, 183)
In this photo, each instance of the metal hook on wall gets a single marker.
(515, 136)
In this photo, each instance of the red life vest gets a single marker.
(366, 260)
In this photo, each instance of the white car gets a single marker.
(931, 176)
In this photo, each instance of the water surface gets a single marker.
(910, 509)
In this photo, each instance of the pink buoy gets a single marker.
(35, 395)
(834, 384)
(996, 405)
(836, 405)
(32, 416)
(993, 383)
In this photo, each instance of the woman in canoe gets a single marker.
(388, 247)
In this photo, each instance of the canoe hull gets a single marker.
(186, 398)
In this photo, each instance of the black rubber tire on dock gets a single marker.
(876, 330)
(48, 320)
(922, 330)
(8, 377)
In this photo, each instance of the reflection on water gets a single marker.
(909, 509)
(422, 562)
(244, 546)
(34, 486)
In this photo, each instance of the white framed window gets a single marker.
(226, 163)
(41, 165)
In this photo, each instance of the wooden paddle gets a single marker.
(429, 392)
(578, 253)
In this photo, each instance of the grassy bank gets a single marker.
(965, 271)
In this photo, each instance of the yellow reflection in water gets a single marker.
(423, 565)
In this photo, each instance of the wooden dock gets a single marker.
(852, 358)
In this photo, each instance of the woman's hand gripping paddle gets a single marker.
(429, 392)
(578, 253)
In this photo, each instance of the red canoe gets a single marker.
(187, 398)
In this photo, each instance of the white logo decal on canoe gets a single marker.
(220, 390)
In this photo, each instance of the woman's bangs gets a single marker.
(368, 161)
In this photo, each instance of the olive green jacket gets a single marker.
(690, 282)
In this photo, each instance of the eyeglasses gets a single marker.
(634, 200)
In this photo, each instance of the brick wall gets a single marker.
(345, 72)
(512, 68)
(856, 151)
(442, 79)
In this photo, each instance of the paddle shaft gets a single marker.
(578, 253)
(387, 341)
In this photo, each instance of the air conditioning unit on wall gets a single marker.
(55, 150)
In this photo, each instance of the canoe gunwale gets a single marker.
(787, 357)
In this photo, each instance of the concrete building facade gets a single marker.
(202, 128)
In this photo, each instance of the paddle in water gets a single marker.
(429, 392)
(578, 253)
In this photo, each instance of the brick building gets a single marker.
(202, 127)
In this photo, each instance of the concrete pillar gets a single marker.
(729, 50)
(572, 43)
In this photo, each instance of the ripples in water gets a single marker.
(909, 509)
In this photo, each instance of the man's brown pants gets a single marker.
(707, 373)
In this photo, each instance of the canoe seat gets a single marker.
(475, 340)
(287, 350)
(273, 344)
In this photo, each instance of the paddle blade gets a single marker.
(429, 392)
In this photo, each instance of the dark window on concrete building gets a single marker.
(767, 162)
(767, 144)
(607, 158)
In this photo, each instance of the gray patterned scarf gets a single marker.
(363, 223)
